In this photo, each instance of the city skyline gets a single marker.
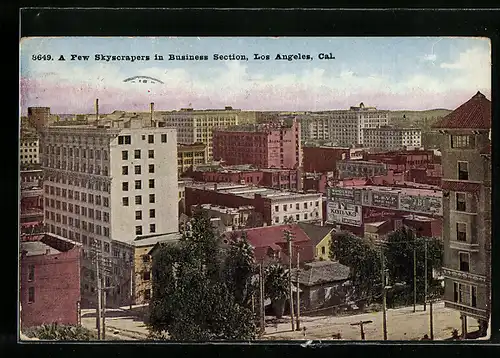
(388, 73)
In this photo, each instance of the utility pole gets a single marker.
(131, 284)
(426, 274)
(431, 321)
(384, 297)
(104, 314)
(361, 324)
(288, 237)
(298, 293)
(262, 312)
(414, 275)
(99, 306)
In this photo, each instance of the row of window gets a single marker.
(86, 212)
(138, 200)
(26, 150)
(73, 195)
(137, 154)
(77, 152)
(83, 168)
(138, 169)
(76, 223)
(297, 206)
(465, 294)
(64, 178)
(127, 139)
(297, 217)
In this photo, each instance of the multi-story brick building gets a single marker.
(401, 161)
(103, 186)
(271, 145)
(360, 169)
(392, 138)
(31, 206)
(195, 126)
(275, 206)
(49, 280)
(323, 159)
(314, 126)
(466, 159)
(190, 155)
(286, 179)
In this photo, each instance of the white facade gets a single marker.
(83, 190)
(297, 208)
(343, 127)
(28, 150)
(391, 138)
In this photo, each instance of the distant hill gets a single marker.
(420, 119)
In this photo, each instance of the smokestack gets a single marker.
(152, 108)
(97, 111)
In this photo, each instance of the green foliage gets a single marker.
(399, 259)
(201, 290)
(363, 258)
(276, 282)
(58, 332)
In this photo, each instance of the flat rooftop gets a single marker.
(248, 191)
(224, 209)
(408, 191)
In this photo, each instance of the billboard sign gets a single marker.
(344, 194)
(422, 204)
(385, 200)
(344, 213)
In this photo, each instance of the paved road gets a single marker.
(402, 324)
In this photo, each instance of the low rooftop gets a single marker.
(151, 240)
(403, 190)
(318, 272)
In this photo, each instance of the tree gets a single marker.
(201, 289)
(399, 258)
(363, 258)
(276, 287)
(58, 332)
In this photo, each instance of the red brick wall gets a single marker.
(320, 160)
(57, 289)
(199, 196)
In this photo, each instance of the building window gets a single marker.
(297, 217)
(305, 216)
(305, 205)
(462, 141)
(151, 168)
(31, 272)
(277, 208)
(138, 184)
(137, 154)
(146, 276)
(285, 207)
(125, 186)
(464, 258)
(138, 215)
(164, 138)
(276, 219)
(125, 155)
(151, 183)
(151, 198)
(323, 250)
(461, 232)
(138, 230)
(147, 294)
(461, 202)
(31, 295)
(125, 201)
(297, 206)
(151, 139)
(151, 154)
(473, 296)
(463, 171)
(152, 213)
(464, 294)
(152, 228)
(137, 169)
(106, 247)
(145, 258)
(125, 170)
(138, 199)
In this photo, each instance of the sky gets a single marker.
(398, 73)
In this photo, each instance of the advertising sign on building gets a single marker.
(422, 204)
(344, 213)
(345, 195)
(385, 200)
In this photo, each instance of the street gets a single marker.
(402, 324)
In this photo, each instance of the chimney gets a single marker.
(97, 111)
(152, 108)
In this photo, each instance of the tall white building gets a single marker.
(343, 127)
(28, 150)
(391, 138)
(105, 186)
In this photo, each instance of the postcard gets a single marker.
(255, 188)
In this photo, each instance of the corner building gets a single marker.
(466, 157)
(105, 186)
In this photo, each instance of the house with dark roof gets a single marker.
(465, 136)
(270, 245)
(320, 237)
(323, 284)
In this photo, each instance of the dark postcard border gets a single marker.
(197, 22)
